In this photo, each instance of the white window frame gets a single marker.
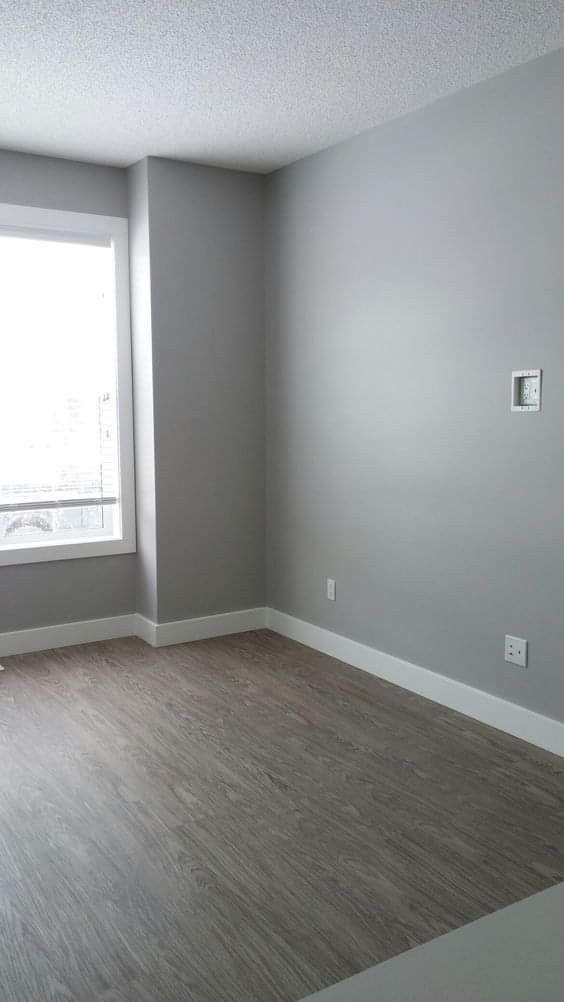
(81, 225)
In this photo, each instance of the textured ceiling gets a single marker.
(245, 83)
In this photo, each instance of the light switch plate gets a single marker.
(526, 385)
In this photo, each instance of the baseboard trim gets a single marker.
(88, 631)
(45, 638)
(535, 728)
(145, 629)
(184, 631)
(500, 713)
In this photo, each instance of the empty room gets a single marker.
(281, 501)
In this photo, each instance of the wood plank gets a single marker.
(245, 818)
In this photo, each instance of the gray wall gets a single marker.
(62, 184)
(196, 240)
(144, 419)
(66, 590)
(410, 270)
(206, 250)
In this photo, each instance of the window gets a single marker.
(66, 452)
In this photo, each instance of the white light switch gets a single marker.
(331, 589)
(526, 390)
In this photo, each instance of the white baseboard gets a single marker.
(509, 717)
(182, 631)
(145, 629)
(45, 638)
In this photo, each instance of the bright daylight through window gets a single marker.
(65, 402)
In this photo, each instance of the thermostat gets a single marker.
(526, 390)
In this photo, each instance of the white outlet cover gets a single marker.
(516, 649)
(526, 388)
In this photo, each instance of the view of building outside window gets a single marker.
(58, 399)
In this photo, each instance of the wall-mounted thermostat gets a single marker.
(526, 390)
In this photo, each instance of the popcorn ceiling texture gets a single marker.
(253, 84)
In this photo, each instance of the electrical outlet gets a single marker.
(331, 589)
(516, 651)
(526, 385)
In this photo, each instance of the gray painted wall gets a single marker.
(196, 238)
(51, 183)
(410, 270)
(63, 591)
(144, 420)
(206, 250)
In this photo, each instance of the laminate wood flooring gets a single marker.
(246, 819)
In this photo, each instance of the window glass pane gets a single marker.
(51, 525)
(58, 405)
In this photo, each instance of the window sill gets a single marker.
(32, 553)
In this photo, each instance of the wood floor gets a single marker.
(246, 819)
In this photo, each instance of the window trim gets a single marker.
(59, 224)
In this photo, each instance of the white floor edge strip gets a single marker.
(43, 638)
(483, 706)
(500, 713)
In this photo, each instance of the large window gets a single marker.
(66, 462)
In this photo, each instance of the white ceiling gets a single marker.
(243, 83)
